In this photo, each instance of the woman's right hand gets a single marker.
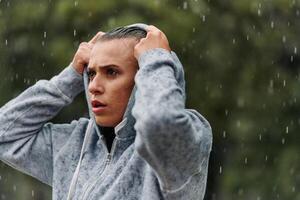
(82, 56)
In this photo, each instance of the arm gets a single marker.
(25, 138)
(27, 142)
(175, 141)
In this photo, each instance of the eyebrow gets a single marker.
(104, 66)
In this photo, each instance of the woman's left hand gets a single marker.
(155, 39)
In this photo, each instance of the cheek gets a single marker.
(121, 93)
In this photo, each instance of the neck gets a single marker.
(109, 135)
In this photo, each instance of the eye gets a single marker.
(91, 74)
(112, 72)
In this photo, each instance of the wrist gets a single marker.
(78, 69)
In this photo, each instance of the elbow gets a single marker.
(206, 140)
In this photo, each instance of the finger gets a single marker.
(85, 45)
(95, 38)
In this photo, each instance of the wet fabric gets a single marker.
(160, 150)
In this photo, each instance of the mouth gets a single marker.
(98, 107)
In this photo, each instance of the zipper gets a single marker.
(107, 163)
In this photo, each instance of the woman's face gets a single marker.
(111, 70)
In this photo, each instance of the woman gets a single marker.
(140, 141)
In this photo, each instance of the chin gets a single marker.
(106, 122)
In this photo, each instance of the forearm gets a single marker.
(38, 104)
(174, 140)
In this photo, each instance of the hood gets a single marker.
(126, 127)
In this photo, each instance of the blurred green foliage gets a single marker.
(241, 61)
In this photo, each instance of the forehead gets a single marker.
(117, 51)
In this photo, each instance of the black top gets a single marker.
(109, 135)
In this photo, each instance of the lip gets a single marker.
(99, 110)
(98, 107)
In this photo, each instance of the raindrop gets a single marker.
(43, 43)
(293, 189)
(295, 50)
(226, 112)
(260, 137)
(284, 39)
(185, 5)
(287, 130)
(246, 160)
(238, 123)
(194, 29)
(271, 83)
(14, 188)
(224, 134)
(32, 193)
(284, 83)
(233, 41)
(220, 170)
(45, 34)
(241, 192)
(292, 171)
(266, 158)
(240, 102)
(75, 3)
(259, 9)
(203, 18)
(74, 32)
(283, 141)
(259, 5)
(247, 37)
(272, 24)
(6, 42)
(259, 12)
(292, 58)
(258, 198)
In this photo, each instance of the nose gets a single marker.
(96, 86)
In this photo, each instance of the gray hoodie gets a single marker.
(161, 149)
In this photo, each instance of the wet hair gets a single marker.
(124, 32)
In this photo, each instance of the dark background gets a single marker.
(241, 61)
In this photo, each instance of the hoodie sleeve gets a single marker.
(26, 139)
(176, 142)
